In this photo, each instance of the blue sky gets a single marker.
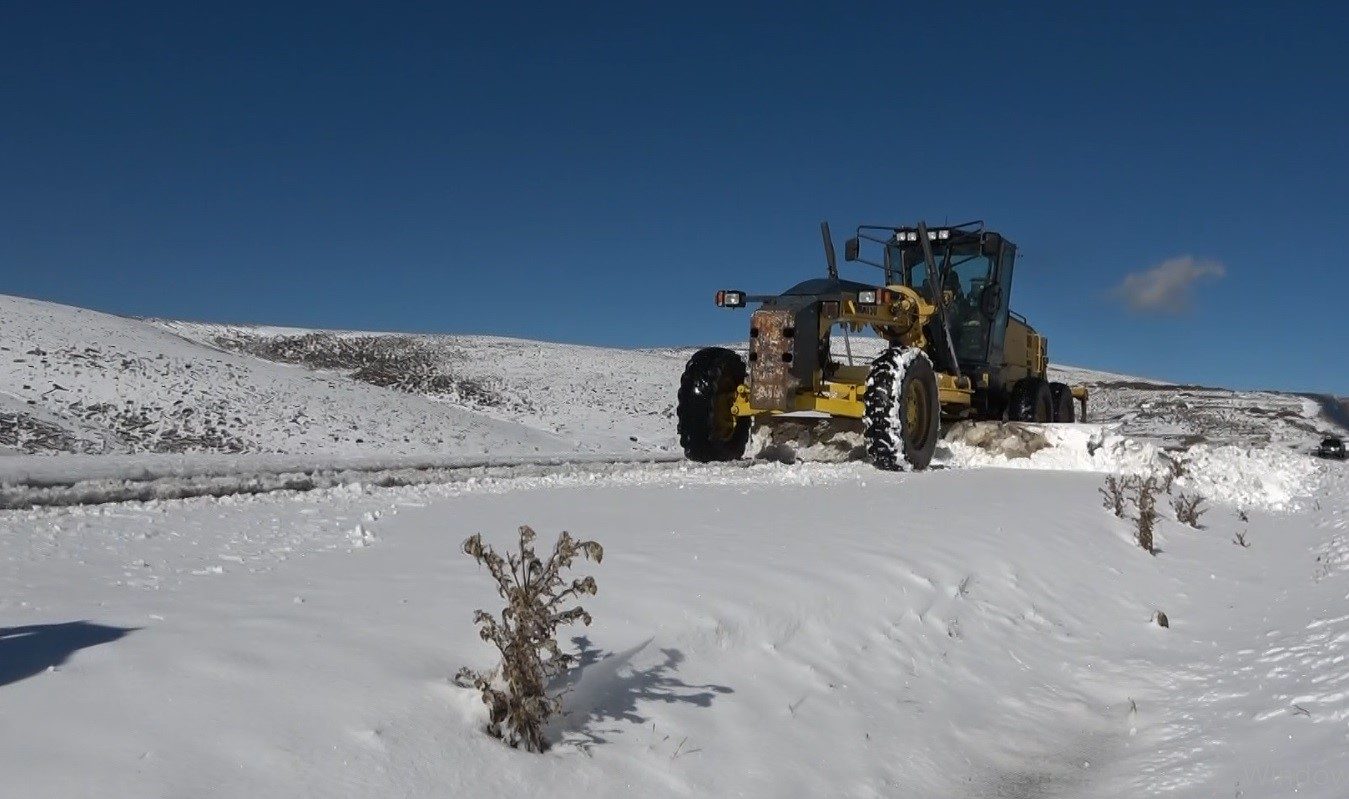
(593, 175)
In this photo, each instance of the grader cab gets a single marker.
(955, 350)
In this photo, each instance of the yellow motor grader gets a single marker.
(955, 351)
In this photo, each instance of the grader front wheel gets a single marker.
(901, 410)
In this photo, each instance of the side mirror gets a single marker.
(990, 300)
(851, 249)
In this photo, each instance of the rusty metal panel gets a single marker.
(772, 345)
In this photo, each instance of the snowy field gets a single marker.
(817, 630)
(984, 629)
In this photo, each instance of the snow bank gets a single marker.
(1075, 447)
(1270, 478)
(810, 439)
(1244, 476)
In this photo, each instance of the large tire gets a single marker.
(707, 430)
(901, 410)
(1031, 401)
(1061, 398)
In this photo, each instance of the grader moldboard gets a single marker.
(956, 351)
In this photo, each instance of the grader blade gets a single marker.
(789, 439)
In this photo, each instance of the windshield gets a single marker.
(967, 272)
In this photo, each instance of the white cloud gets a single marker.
(1167, 287)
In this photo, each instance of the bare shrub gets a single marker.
(1240, 539)
(29, 434)
(516, 692)
(1175, 468)
(1145, 500)
(1241, 514)
(1113, 494)
(1188, 508)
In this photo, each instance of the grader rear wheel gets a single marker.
(1061, 398)
(1031, 401)
(708, 431)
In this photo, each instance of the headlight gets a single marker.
(730, 299)
(867, 297)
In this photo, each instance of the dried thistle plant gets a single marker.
(1113, 494)
(1145, 500)
(1174, 468)
(1188, 509)
(516, 692)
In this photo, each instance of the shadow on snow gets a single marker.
(25, 651)
(606, 687)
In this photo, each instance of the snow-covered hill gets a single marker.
(593, 398)
(73, 380)
(82, 381)
(1181, 415)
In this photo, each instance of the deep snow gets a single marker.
(764, 631)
